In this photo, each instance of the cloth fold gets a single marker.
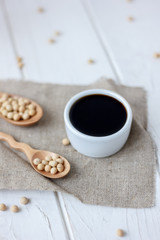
(126, 179)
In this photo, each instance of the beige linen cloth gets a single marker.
(126, 179)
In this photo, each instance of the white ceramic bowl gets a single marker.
(97, 146)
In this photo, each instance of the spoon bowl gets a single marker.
(41, 155)
(28, 122)
(34, 153)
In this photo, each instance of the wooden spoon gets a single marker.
(33, 153)
(28, 122)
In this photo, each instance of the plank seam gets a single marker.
(101, 38)
(65, 215)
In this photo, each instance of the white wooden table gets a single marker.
(122, 50)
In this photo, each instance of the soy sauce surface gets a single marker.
(98, 115)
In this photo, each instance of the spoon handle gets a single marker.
(22, 147)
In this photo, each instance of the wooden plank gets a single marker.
(133, 49)
(98, 222)
(42, 218)
(132, 44)
(64, 61)
(72, 46)
(8, 64)
(39, 219)
(138, 223)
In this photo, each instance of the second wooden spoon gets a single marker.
(28, 122)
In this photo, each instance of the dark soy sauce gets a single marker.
(98, 115)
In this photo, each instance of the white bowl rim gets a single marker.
(112, 94)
